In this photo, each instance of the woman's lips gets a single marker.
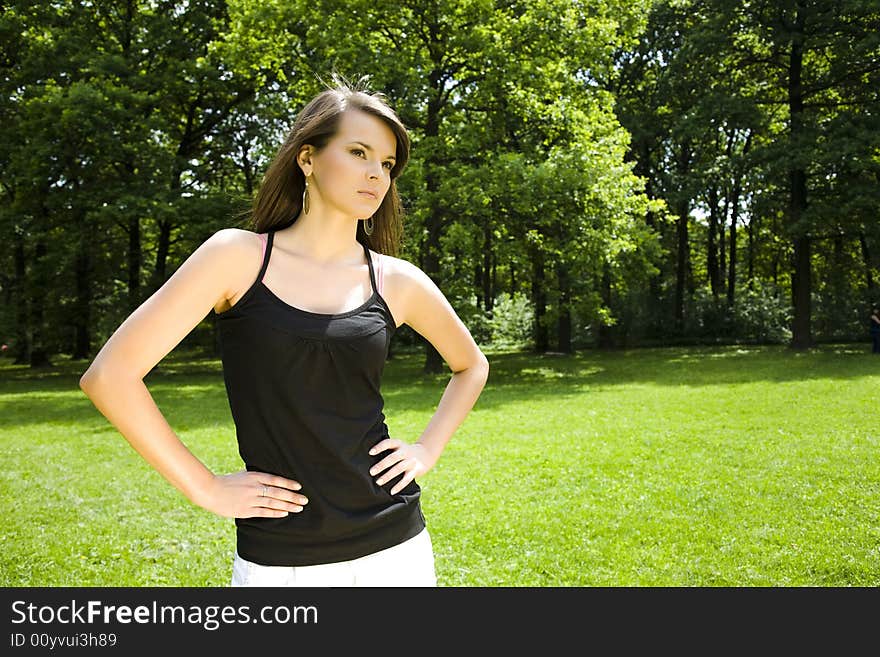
(369, 194)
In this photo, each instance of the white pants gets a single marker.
(410, 563)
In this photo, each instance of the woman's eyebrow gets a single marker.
(370, 148)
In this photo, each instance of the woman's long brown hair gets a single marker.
(278, 201)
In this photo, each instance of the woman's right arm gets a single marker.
(114, 380)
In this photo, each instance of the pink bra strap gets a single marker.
(379, 273)
(263, 251)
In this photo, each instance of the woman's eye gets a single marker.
(359, 152)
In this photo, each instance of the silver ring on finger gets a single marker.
(263, 494)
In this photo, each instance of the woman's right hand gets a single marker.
(249, 494)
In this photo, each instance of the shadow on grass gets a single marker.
(190, 386)
(676, 366)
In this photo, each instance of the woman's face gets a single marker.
(356, 161)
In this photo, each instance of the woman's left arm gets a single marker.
(427, 311)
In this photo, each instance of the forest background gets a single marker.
(601, 174)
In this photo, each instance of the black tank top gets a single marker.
(304, 392)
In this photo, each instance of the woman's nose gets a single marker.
(375, 170)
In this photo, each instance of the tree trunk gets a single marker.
(643, 168)
(488, 295)
(750, 228)
(477, 282)
(605, 336)
(22, 347)
(82, 312)
(39, 354)
(163, 246)
(681, 264)
(866, 259)
(712, 244)
(802, 337)
(134, 263)
(539, 298)
(734, 220)
(494, 279)
(838, 283)
(563, 323)
(722, 245)
(682, 259)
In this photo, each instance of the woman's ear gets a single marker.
(304, 159)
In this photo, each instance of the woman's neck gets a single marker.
(325, 238)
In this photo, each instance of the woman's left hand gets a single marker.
(410, 460)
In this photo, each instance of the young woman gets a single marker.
(306, 303)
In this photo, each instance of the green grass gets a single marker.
(723, 466)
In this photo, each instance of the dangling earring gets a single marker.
(305, 203)
(368, 226)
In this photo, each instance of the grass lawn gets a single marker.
(722, 466)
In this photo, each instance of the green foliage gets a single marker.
(511, 322)
(708, 97)
(508, 326)
(551, 139)
(758, 316)
(761, 315)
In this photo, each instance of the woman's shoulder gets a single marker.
(239, 252)
(396, 268)
(236, 251)
(234, 238)
(407, 279)
(400, 279)
(236, 246)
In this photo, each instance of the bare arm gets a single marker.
(429, 313)
(114, 381)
